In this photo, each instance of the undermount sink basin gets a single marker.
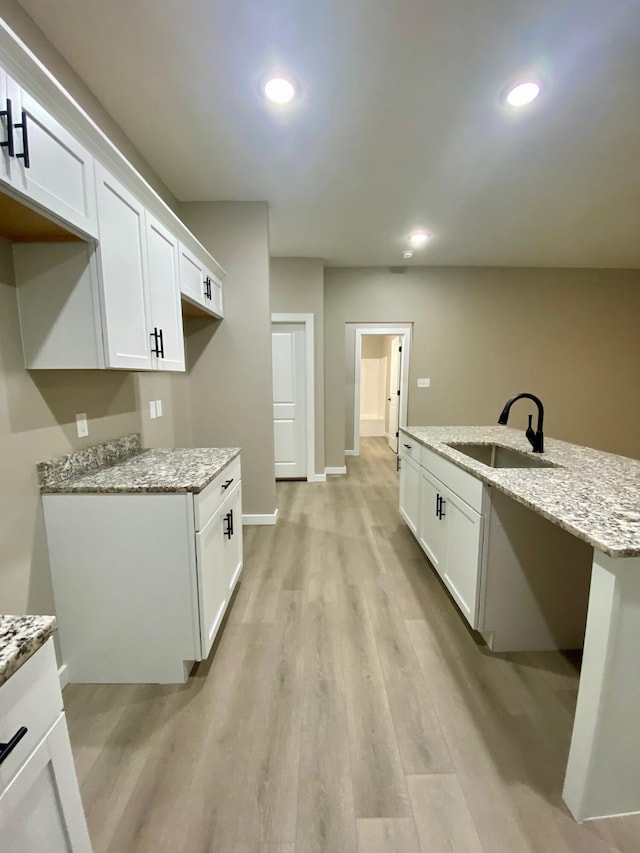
(497, 456)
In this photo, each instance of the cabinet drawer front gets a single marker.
(408, 448)
(211, 498)
(30, 698)
(463, 484)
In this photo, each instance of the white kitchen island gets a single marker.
(594, 497)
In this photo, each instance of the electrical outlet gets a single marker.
(424, 383)
(159, 408)
(82, 427)
(153, 414)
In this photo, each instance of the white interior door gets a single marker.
(394, 392)
(289, 399)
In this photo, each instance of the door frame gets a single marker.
(403, 330)
(309, 365)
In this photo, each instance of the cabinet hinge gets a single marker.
(397, 435)
(399, 349)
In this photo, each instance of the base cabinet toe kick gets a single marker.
(142, 581)
(526, 584)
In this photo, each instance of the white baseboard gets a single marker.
(266, 518)
(352, 453)
(342, 469)
(63, 675)
(317, 478)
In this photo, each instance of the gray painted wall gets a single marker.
(483, 334)
(230, 362)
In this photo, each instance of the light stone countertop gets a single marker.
(21, 637)
(592, 494)
(149, 471)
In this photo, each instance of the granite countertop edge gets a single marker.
(153, 471)
(20, 639)
(574, 470)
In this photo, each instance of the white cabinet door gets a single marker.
(432, 528)
(50, 167)
(198, 284)
(212, 588)
(410, 493)
(6, 122)
(232, 533)
(463, 555)
(123, 276)
(164, 290)
(40, 809)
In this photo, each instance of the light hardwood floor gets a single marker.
(345, 707)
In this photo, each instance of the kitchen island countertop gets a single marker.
(592, 494)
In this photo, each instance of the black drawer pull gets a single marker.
(7, 748)
(408, 446)
(25, 140)
(442, 512)
(227, 484)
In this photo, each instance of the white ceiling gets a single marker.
(400, 122)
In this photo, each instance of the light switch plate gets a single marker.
(424, 383)
(159, 408)
(82, 427)
(152, 410)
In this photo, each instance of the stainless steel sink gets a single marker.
(497, 456)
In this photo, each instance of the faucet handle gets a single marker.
(530, 434)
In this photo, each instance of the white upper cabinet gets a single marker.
(47, 165)
(115, 304)
(198, 285)
(123, 275)
(6, 123)
(164, 292)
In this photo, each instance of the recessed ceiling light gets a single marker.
(523, 93)
(407, 255)
(418, 239)
(279, 90)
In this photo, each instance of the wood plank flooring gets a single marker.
(346, 708)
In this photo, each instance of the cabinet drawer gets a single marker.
(31, 698)
(463, 484)
(408, 448)
(210, 499)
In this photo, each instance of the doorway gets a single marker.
(381, 378)
(292, 348)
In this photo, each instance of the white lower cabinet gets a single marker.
(520, 580)
(431, 530)
(142, 581)
(410, 492)
(40, 806)
(463, 562)
(448, 528)
(219, 556)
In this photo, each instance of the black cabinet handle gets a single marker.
(229, 521)
(438, 506)
(442, 512)
(207, 287)
(7, 748)
(408, 446)
(161, 353)
(226, 485)
(155, 348)
(8, 144)
(25, 140)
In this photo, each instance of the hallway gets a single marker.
(345, 707)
